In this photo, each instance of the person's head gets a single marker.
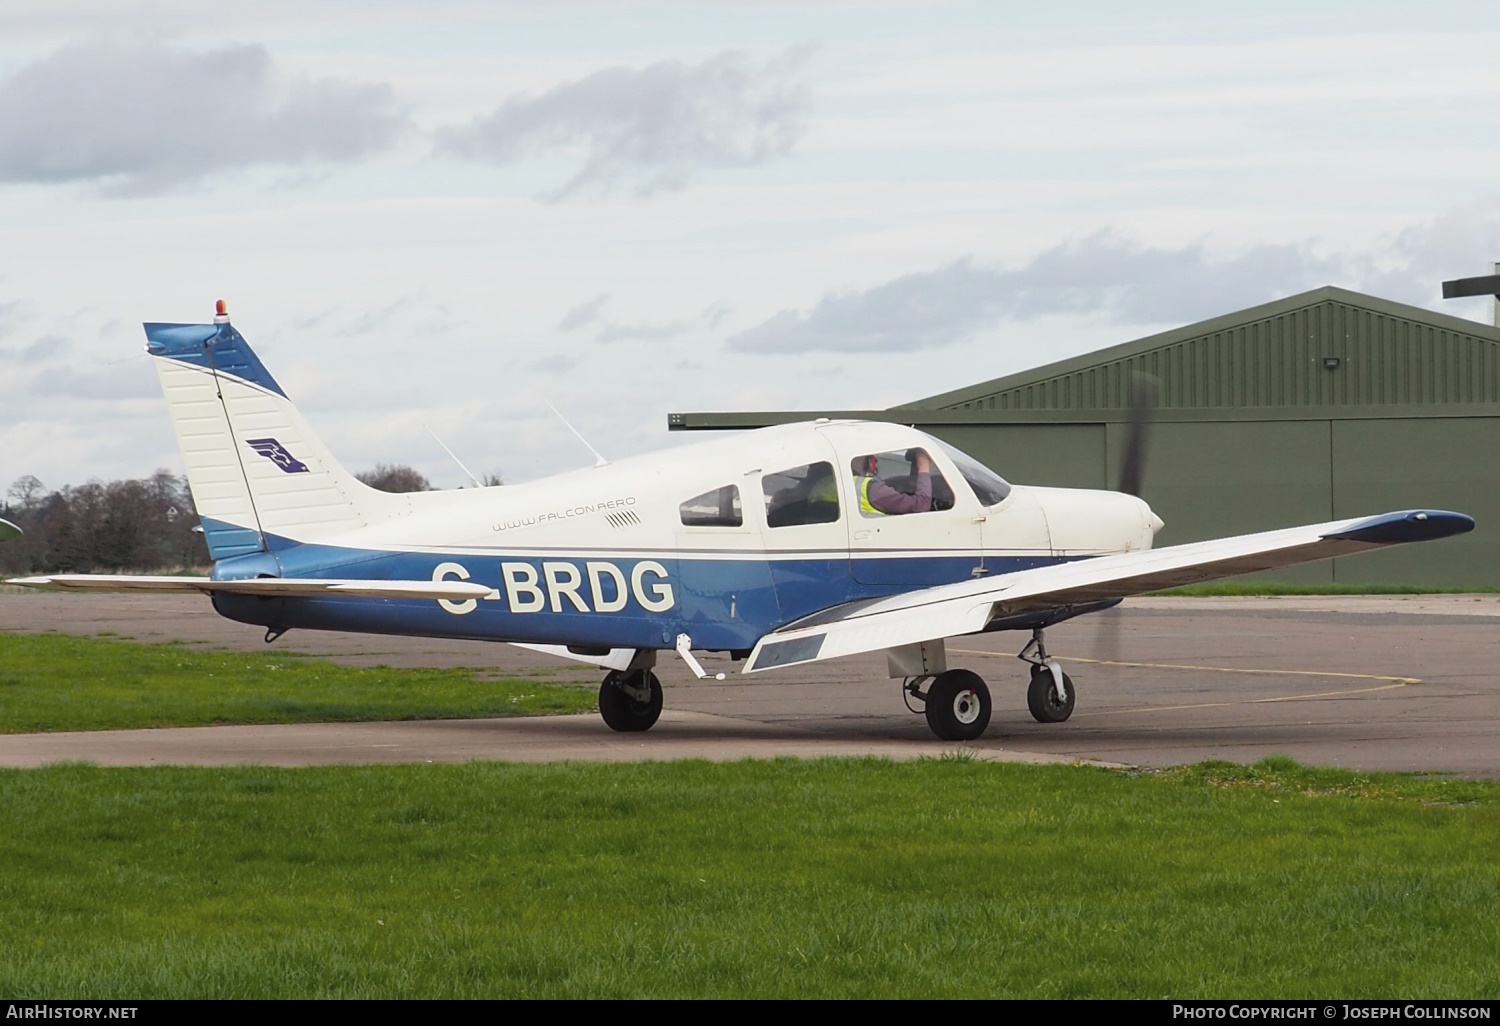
(865, 466)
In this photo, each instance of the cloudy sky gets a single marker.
(454, 212)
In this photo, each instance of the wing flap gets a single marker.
(966, 608)
(612, 659)
(306, 587)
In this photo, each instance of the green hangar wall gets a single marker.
(1323, 405)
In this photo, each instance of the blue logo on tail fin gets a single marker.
(277, 454)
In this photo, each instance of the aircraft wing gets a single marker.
(968, 607)
(8, 531)
(306, 587)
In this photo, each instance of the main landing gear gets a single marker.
(957, 702)
(957, 705)
(630, 700)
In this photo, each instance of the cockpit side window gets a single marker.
(989, 487)
(889, 484)
(801, 495)
(718, 507)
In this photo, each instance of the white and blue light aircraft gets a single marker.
(769, 545)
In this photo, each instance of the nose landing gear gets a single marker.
(1050, 695)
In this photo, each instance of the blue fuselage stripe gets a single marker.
(623, 601)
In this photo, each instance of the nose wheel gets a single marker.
(1050, 695)
(1048, 702)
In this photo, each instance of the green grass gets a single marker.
(826, 878)
(1262, 588)
(61, 682)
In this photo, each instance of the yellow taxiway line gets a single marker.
(1391, 683)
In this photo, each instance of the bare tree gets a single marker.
(395, 478)
(26, 492)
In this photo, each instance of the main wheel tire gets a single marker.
(958, 705)
(1042, 699)
(625, 712)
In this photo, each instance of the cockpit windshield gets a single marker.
(989, 487)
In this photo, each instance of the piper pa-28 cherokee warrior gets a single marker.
(781, 546)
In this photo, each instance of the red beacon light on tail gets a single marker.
(221, 312)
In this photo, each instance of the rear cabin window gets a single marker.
(801, 495)
(719, 507)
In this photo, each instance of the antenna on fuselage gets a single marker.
(450, 452)
(599, 461)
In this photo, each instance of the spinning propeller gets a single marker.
(1143, 390)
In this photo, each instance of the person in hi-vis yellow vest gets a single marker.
(876, 498)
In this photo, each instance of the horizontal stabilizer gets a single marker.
(968, 607)
(309, 587)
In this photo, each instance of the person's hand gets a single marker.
(924, 463)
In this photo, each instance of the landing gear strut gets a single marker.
(630, 700)
(1050, 695)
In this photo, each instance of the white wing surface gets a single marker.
(454, 590)
(970, 606)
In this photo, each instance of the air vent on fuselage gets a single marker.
(624, 518)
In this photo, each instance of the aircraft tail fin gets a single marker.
(260, 477)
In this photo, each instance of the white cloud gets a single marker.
(584, 314)
(1102, 274)
(1458, 243)
(554, 364)
(650, 128)
(142, 118)
(591, 312)
(11, 314)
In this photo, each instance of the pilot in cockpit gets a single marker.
(878, 497)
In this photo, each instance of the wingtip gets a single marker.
(1411, 525)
